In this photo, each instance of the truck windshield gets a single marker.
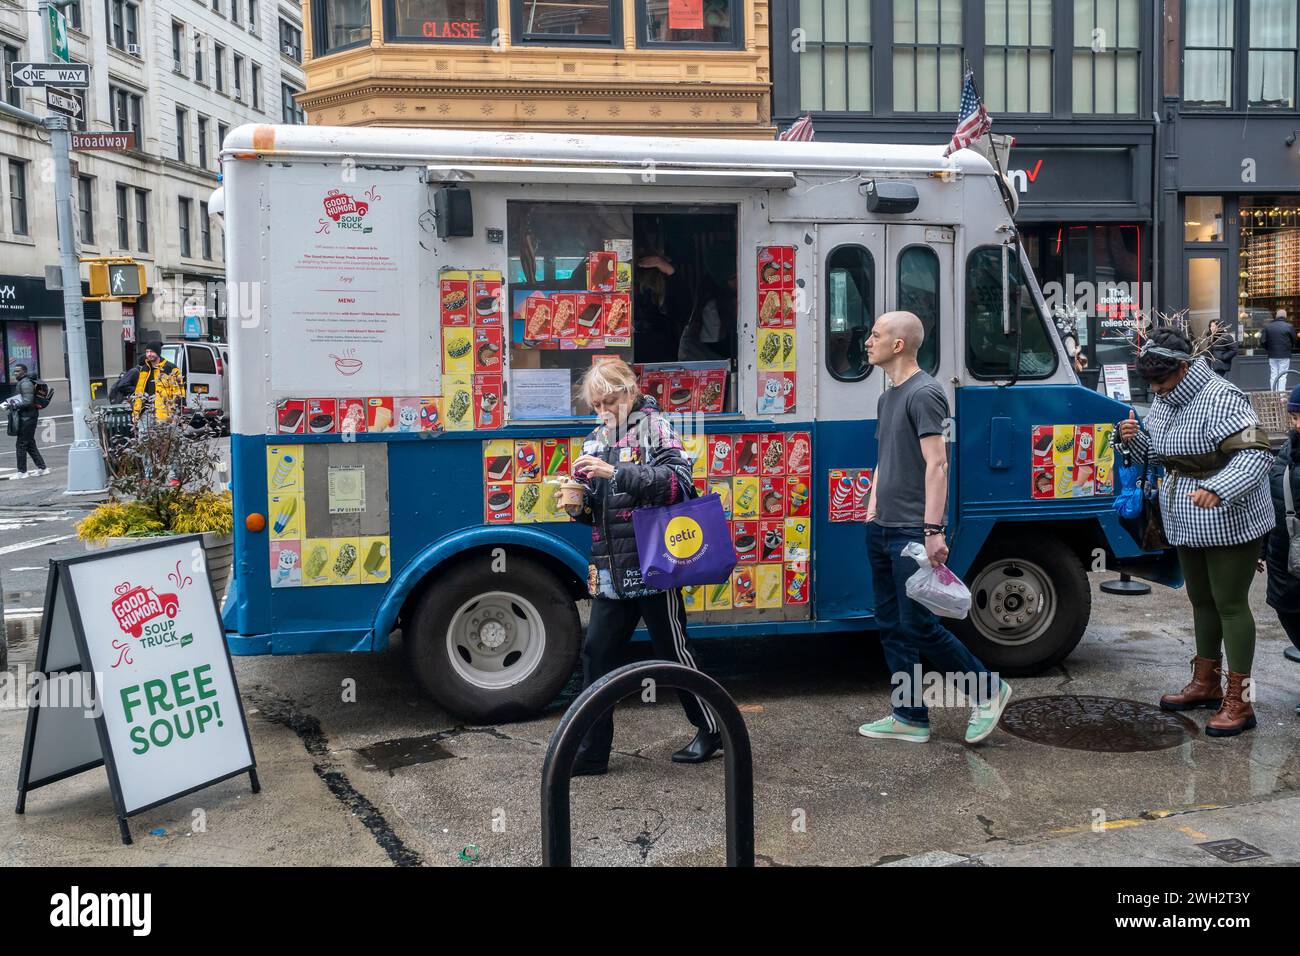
(988, 351)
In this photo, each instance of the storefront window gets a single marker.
(21, 347)
(835, 61)
(1204, 292)
(1272, 53)
(340, 24)
(1268, 268)
(539, 21)
(691, 21)
(1207, 52)
(654, 286)
(1093, 276)
(989, 352)
(438, 21)
(1203, 219)
(850, 311)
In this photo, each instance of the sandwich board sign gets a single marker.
(136, 678)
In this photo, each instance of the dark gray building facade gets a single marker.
(1157, 157)
(1076, 82)
(1229, 174)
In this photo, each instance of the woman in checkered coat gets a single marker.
(1215, 503)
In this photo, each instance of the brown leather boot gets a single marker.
(1236, 714)
(1205, 690)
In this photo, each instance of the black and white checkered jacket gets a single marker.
(1194, 419)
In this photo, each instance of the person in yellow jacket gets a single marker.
(158, 381)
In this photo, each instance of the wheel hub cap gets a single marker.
(1013, 603)
(490, 631)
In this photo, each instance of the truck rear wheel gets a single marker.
(1030, 602)
(490, 647)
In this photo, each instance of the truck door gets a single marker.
(903, 267)
(848, 294)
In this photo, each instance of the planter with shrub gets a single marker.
(161, 480)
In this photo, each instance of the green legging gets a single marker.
(1218, 585)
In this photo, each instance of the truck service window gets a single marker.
(653, 285)
(988, 350)
(918, 292)
(850, 310)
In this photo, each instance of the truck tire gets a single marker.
(1030, 602)
(491, 646)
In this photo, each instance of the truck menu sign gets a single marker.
(137, 679)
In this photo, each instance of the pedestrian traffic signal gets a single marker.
(116, 279)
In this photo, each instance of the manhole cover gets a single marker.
(1233, 851)
(1101, 724)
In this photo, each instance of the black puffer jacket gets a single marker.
(650, 469)
(1283, 589)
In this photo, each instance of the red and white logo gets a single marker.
(134, 607)
(339, 204)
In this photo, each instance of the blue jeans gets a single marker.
(909, 630)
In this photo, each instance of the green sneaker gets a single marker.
(984, 718)
(887, 728)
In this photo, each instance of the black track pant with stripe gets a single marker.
(609, 631)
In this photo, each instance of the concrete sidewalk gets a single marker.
(1173, 838)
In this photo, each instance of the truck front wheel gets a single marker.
(492, 647)
(1030, 602)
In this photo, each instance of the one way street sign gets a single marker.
(61, 101)
(68, 75)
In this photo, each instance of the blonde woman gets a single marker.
(633, 459)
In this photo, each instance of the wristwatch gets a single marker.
(933, 529)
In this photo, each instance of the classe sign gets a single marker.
(452, 30)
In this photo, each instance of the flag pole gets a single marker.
(1007, 198)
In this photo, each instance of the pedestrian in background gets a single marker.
(1283, 586)
(1223, 348)
(907, 504)
(1278, 340)
(633, 459)
(1214, 502)
(155, 383)
(24, 413)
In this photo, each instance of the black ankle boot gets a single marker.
(587, 765)
(704, 746)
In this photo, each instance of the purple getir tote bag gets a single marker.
(684, 544)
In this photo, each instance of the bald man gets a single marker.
(908, 499)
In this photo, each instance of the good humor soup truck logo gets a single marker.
(347, 212)
(147, 616)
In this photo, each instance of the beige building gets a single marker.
(179, 74)
(671, 67)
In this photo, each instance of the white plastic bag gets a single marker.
(936, 588)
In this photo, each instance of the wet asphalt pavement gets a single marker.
(391, 780)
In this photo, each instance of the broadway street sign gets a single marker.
(110, 142)
(68, 75)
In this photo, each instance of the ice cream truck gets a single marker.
(410, 310)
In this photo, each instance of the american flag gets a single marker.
(972, 119)
(801, 130)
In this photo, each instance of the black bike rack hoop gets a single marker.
(600, 697)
